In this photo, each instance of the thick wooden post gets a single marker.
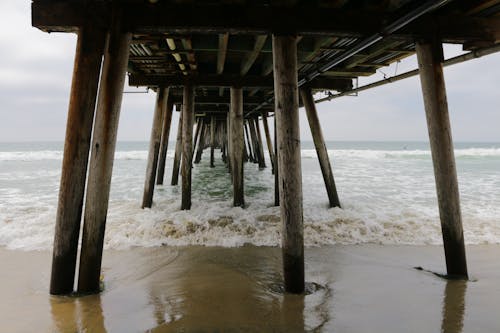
(212, 141)
(154, 147)
(178, 153)
(101, 159)
(319, 143)
(237, 139)
(187, 145)
(276, 170)
(262, 159)
(229, 144)
(430, 58)
(165, 133)
(249, 143)
(290, 175)
(268, 140)
(201, 142)
(86, 70)
(255, 141)
(196, 135)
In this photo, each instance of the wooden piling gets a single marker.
(86, 70)
(101, 159)
(154, 147)
(187, 145)
(212, 141)
(237, 140)
(249, 143)
(165, 133)
(290, 175)
(430, 58)
(268, 140)
(319, 144)
(201, 140)
(196, 136)
(262, 160)
(276, 169)
(178, 153)
(255, 142)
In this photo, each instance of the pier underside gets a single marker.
(227, 66)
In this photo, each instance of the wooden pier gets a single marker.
(228, 66)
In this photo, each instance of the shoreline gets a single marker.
(364, 288)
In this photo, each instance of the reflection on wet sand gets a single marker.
(454, 306)
(71, 314)
(219, 290)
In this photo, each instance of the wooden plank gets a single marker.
(237, 140)
(228, 80)
(178, 154)
(154, 147)
(86, 70)
(187, 145)
(290, 173)
(305, 20)
(252, 56)
(430, 58)
(222, 51)
(101, 159)
(319, 144)
(167, 120)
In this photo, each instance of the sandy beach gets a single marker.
(368, 288)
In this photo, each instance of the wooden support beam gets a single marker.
(262, 159)
(255, 141)
(102, 156)
(305, 20)
(268, 140)
(276, 170)
(227, 80)
(430, 58)
(154, 147)
(249, 143)
(165, 133)
(178, 154)
(86, 70)
(201, 142)
(187, 145)
(237, 140)
(290, 173)
(319, 144)
(222, 51)
(252, 56)
(229, 144)
(197, 135)
(212, 141)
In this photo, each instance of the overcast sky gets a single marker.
(36, 68)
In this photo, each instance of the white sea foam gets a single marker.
(388, 197)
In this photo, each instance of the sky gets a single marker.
(36, 70)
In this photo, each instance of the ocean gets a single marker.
(386, 190)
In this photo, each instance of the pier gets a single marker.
(233, 69)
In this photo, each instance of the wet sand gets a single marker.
(366, 288)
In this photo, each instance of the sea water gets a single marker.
(387, 193)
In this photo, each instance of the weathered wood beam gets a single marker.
(212, 141)
(178, 154)
(187, 145)
(227, 80)
(86, 70)
(262, 161)
(154, 147)
(290, 173)
(430, 58)
(167, 121)
(319, 144)
(222, 52)
(216, 99)
(101, 159)
(252, 56)
(237, 140)
(162, 17)
(269, 142)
